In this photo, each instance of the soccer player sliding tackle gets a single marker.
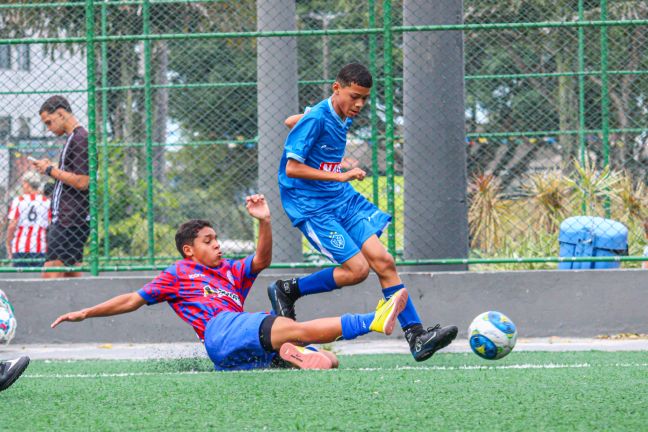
(208, 292)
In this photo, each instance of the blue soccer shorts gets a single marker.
(338, 231)
(232, 341)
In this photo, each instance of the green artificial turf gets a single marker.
(525, 391)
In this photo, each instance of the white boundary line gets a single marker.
(125, 351)
(379, 369)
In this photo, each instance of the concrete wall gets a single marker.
(541, 303)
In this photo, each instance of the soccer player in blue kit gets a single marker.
(208, 292)
(338, 221)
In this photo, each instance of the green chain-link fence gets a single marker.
(184, 100)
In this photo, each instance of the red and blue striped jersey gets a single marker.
(198, 293)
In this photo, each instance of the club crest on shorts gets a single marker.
(337, 240)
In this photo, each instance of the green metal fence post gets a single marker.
(605, 104)
(329, 32)
(92, 136)
(104, 134)
(146, 15)
(581, 90)
(389, 121)
(373, 117)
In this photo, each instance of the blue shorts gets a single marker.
(342, 226)
(232, 341)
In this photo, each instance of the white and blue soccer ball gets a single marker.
(7, 319)
(492, 335)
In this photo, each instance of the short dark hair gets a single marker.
(188, 231)
(53, 103)
(354, 73)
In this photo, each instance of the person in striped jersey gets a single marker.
(29, 216)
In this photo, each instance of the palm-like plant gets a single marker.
(549, 194)
(631, 199)
(591, 185)
(485, 211)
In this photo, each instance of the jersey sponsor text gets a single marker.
(330, 167)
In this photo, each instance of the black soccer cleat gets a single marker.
(279, 294)
(11, 370)
(425, 343)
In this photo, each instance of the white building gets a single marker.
(28, 75)
(36, 75)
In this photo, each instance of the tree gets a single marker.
(628, 92)
(535, 103)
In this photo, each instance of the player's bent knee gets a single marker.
(384, 264)
(355, 270)
(361, 274)
(360, 271)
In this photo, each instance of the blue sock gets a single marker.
(409, 316)
(318, 282)
(354, 325)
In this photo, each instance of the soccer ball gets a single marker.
(7, 319)
(492, 335)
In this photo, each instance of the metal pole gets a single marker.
(277, 98)
(52, 5)
(104, 134)
(146, 15)
(581, 91)
(325, 54)
(326, 18)
(581, 83)
(389, 121)
(332, 32)
(375, 169)
(435, 215)
(232, 84)
(92, 136)
(304, 265)
(605, 104)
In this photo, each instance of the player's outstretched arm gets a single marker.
(115, 306)
(258, 208)
(296, 169)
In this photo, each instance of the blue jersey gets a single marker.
(319, 141)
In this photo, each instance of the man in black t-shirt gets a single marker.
(70, 204)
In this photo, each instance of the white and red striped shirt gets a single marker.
(32, 211)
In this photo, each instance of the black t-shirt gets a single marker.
(70, 206)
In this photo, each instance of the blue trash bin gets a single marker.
(584, 236)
